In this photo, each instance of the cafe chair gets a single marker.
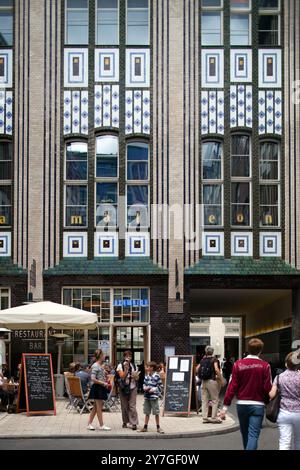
(113, 401)
(78, 399)
(66, 375)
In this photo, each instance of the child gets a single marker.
(152, 386)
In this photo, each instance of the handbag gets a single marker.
(273, 407)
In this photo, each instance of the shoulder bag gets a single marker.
(273, 407)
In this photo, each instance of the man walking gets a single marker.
(208, 371)
(251, 383)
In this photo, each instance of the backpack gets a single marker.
(206, 370)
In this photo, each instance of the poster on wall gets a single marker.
(104, 345)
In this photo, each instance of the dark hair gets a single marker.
(77, 367)
(98, 354)
(255, 346)
(152, 364)
(292, 361)
(127, 353)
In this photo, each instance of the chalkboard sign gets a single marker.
(178, 385)
(36, 390)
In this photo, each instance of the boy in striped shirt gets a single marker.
(152, 388)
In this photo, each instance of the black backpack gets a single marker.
(206, 370)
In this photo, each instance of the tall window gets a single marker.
(269, 184)
(212, 191)
(269, 22)
(137, 22)
(241, 184)
(137, 184)
(5, 183)
(211, 23)
(4, 299)
(76, 205)
(6, 22)
(107, 22)
(77, 22)
(76, 161)
(240, 20)
(107, 148)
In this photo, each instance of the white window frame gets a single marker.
(278, 180)
(147, 181)
(96, 26)
(271, 183)
(271, 13)
(214, 10)
(271, 10)
(106, 179)
(149, 26)
(67, 181)
(65, 205)
(237, 180)
(66, 22)
(135, 183)
(204, 181)
(243, 12)
(8, 183)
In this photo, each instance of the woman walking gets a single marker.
(289, 413)
(99, 391)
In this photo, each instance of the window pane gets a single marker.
(269, 161)
(212, 194)
(211, 160)
(137, 22)
(137, 195)
(77, 22)
(240, 215)
(6, 28)
(267, 4)
(211, 3)
(240, 193)
(137, 161)
(240, 158)
(107, 157)
(240, 166)
(107, 22)
(240, 145)
(268, 29)
(76, 161)
(211, 28)
(269, 195)
(5, 205)
(76, 195)
(213, 215)
(107, 193)
(240, 4)
(239, 29)
(5, 160)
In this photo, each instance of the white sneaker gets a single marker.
(104, 428)
(90, 428)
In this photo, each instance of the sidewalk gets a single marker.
(73, 425)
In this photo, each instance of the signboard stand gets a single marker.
(36, 390)
(178, 391)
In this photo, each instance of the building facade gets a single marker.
(149, 168)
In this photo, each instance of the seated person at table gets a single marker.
(82, 373)
(6, 397)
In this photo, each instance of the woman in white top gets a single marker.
(98, 391)
(289, 412)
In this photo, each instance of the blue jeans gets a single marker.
(250, 418)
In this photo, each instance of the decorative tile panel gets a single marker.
(213, 244)
(106, 65)
(6, 112)
(241, 65)
(270, 112)
(76, 68)
(5, 244)
(241, 244)
(241, 106)
(212, 112)
(6, 64)
(138, 68)
(212, 68)
(137, 118)
(270, 64)
(75, 244)
(76, 107)
(106, 244)
(137, 244)
(107, 106)
(270, 244)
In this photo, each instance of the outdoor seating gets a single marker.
(78, 400)
(113, 402)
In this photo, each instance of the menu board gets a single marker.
(178, 385)
(36, 389)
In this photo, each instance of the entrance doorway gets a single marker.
(133, 338)
(231, 347)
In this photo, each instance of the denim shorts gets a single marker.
(151, 405)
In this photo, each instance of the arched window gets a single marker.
(137, 161)
(76, 161)
(107, 148)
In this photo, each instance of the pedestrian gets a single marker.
(152, 390)
(208, 372)
(227, 368)
(127, 377)
(289, 412)
(98, 391)
(251, 383)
